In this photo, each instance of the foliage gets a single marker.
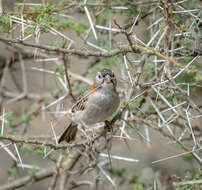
(191, 175)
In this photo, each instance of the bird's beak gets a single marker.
(108, 79)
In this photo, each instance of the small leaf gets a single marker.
(31, 172)
(13, 171)
(132, 178)
(26, 118)
(10, 117)
(65, 23)
(27, 149)
(39, 152)
(137, 101)
(80, 28)
(138, 187)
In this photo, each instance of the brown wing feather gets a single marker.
(69, 134)
(83, 98)
(79, 104)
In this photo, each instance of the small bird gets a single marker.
(95, 106)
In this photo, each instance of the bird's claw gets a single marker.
(108, 126)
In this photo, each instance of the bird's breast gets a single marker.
(99, 107)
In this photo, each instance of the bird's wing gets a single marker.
(83, 98)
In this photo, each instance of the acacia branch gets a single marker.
(122, 50)
(65, 60)
(67, 164)
(76, 4)
(40, 175)
(69, 51)
(20, 140)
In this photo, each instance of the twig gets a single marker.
(24, 76)
(63, 180)
(75, 4)
(76, 184)
(1, 7)
(67, 77)
(119, 158)
(42, 174)
(192, 182)
(56, 173)
(20, 140)
(19, 157)
(175, 156)
(8, 151)
(123, 50)
(90, 20)
(107, 176)
(25, 180)
(54, 134)
(3, 122)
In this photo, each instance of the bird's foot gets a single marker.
(108, 126)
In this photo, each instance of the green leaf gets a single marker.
(138, 187)
(39, 152)
(10, 117)
(29, 30)
(151, 109)
(31, 172)
(13, 171)
(58, 44)
(117, 172)
(132, 177)
(4, 23)
(15, 131)
(27, 149)
(26, 118)
(188, 175)
(80, 28)
(26, 137)
(36, 111)
(177, 19)
(84, 48)
(46, 103)
(191, 5)
(62, 2)
(101, 21)
(107, 62)
(60, 71)
(137, 101)
(188, 158)
(52, 156)
(19, 1)
(150, 68)
(65, 23)
(168, 96)
(185, 78)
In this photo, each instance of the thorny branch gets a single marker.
(65, 60)
(122, 50)
(66, 164)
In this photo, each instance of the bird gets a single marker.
(94, 106)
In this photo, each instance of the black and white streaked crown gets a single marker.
(105, 72)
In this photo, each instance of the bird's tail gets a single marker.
(69, 134)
